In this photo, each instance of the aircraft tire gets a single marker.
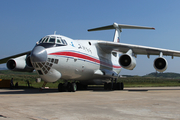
(105, 86)
(60, 87)
(81, 86)
(118, 86)
(122, 86)
(109, 86)
(115, 86)
(85, 87)
(78, 86)
(69, 87)
(73, 87)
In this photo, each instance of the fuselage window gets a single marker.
(89, 43)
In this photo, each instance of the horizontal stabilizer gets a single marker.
(120, 26)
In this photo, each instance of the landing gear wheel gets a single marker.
(105, 86)
(85, 87)
(60, 87)
(81, 86)
(74, 87)
(122, 86)
(109, 86)
(69, 87)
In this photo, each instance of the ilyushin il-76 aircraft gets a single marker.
(83, 62)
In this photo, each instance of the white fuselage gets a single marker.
(78, 60)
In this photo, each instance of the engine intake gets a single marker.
(160, 64)
(22, 64)
(127, 61)
(28, 61)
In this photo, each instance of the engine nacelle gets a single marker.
(21, 63)
(127, 61)
(160, 64)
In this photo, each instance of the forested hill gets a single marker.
(163, 75)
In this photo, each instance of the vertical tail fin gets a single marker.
(116, 33)
(118, 30)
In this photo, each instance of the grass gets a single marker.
(137, 81)
(149, 82)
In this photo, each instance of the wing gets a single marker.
(4, 60)
(137, 49)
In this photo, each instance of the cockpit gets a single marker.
(53, 40)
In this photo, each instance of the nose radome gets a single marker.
(39, 54)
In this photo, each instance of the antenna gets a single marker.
(54, 32)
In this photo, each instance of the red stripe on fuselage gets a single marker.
(78, 55)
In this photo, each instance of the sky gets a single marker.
(23, 23)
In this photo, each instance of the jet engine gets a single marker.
(160, 64)
(21, 63)
(127, 61)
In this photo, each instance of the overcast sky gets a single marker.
(23, 23)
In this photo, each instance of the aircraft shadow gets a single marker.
(28, 91)
(101, 89)
(92, 89)
(150, 89)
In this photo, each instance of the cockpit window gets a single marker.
(65, 42)
(43, 40)
(61, 41)
(52, 40)
(46, 40)
(40, 40)
(58, 40)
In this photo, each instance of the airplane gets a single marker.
(84, 62)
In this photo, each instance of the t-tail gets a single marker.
(118, 29)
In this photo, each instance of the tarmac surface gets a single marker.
(157, 103)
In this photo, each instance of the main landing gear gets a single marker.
(113, 85)
(70, 87)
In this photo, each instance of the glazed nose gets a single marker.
(39, 54)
